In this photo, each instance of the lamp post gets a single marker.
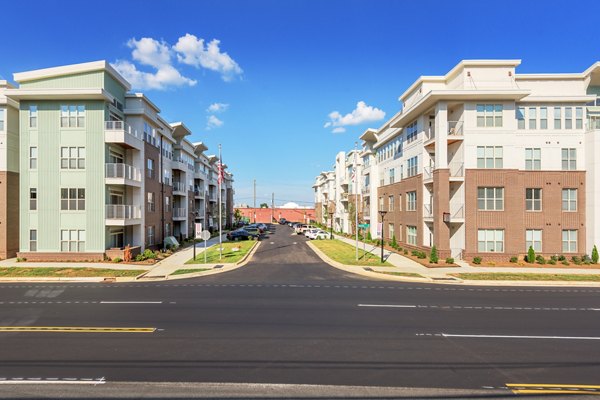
(330, 224)
(382, 214)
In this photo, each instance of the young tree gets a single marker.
(237, 215)
(595, 255)
(531, 255)
(433, 257)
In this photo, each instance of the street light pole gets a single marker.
(330, 225)
(382, 214)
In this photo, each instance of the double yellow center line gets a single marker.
(543, 388)
(75, 329)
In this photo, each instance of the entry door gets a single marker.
(116, 197)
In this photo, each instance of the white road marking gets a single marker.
(519, 336)
(387, 305)
(55, 381)
(131, 302)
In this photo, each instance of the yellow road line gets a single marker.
(552, 388)
(533, 391)
(552, 385)
(75, 329)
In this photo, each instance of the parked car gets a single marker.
(282, 221)
(252, 229)
(310, 231)
(241, 234)
(318, 234)
(303, 227)
(262, 226)
(255, 226)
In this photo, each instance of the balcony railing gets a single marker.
(593, 124)
(455, 128)
(428, 172)
(429, 133)
(344, 196)
(123, 211)
(457, 169)
(179, 212)
(124, 171)
(427, 211)
(121, 126)
(457, 210)
(178, 187)
(366, 190)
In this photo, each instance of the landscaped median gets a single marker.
(233, 252)
(346, 254)
(508, 276)
(66, 272)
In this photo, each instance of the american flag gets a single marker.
(353, 175)
(221, 173)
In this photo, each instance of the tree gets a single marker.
(433, 257)
(531, 255)
(595, 255)
(393, 243)
(352, 216)
(237, 215)
(264, 205)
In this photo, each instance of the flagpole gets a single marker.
(220, 180)
(356, 197)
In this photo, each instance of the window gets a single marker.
(151, 201)
(489, 157)
(569, 199)
(490, 198)
(411, 132)
(413, 166)
(33, 240)
(1, 120)
(533, 238)
(72, 116)
(543, 118)
(568, 118)
(33, 116)
(411, 235)
(578, 118)
(533, 199)
(490, 240)
(392, 175)
(33, 157)
(72, 199)
(167, 203)
(150, 168)
(72, 240)
(489, 115)
(391, 231)
(150, 235)
(569, 241)
(167, 229)
(569, 159)
(391, 203)
(411, 201)
(533, 159)
(521, 117)
(33, 199)
(72, 157)
(532, 118)
(557, 117)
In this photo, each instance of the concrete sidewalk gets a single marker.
(407, 265)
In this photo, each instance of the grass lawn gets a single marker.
(500, 276)
(229, 256)
(346, 254)
(409, 274)
(189, 271)
(24, 272)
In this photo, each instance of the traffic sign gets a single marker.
(205, 235)
(363, 226)
(198, 229)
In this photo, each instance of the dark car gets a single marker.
(260, 227)
(253, 230)
(241, 234)
(282, 221)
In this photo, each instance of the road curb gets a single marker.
(226, 267)
(353, 269)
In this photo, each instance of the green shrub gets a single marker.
(540, 260)
(421, 255)
(564, 262)
(552, 262)
(21, 259)
(531, 255)
(369, 237)
(595, 255)
(139, 257)
(561, 258)
(405, 252)
(576, 260)
(587, 262)
(149, 254)
(554, 258)
(414, 253)
(449, 260)
(117, 260)
(394, 244)
(400, 248)
(477, 260)
(514, 259)
(586, 259)
(433, 257)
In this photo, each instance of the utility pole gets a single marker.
(255, 201)
(272, 206)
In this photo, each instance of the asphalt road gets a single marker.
(286, 317)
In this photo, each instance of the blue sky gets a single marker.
(282, 67)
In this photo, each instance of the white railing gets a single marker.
(455, 128)
(457, 210)
(593, 124)
(428, 172)
(123, 211)
(427, 211)
(198, 193)
(179, 212)
(344, 196)
(429, 133)
(366, 190)
(121, 126)
(199, 213)
(457, 169)
(456, 253)
(178, 187)
(125, 171)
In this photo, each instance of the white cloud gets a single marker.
(360, 115)
(164, 77)
(192, 50)
(217, 107)
(213, 122)
(150, 51)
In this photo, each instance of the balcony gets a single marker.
(123, 215)
(344, 181)
(179, 214)
(198, 193)
(212, 197)
(122, 174)
(593, 123)
(428, 211)
(428, 174)
(455, 131)
(457, 170)
(366, 191)
(119, 132)
(457, 212)
(178, 188)
(429, 137)
(179, 163)
(344, 197)
(199, 213)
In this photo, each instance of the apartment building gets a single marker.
(9, 173)
(100, 169)
(486, 162)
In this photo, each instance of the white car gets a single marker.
(318, 234)
(310, 231)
